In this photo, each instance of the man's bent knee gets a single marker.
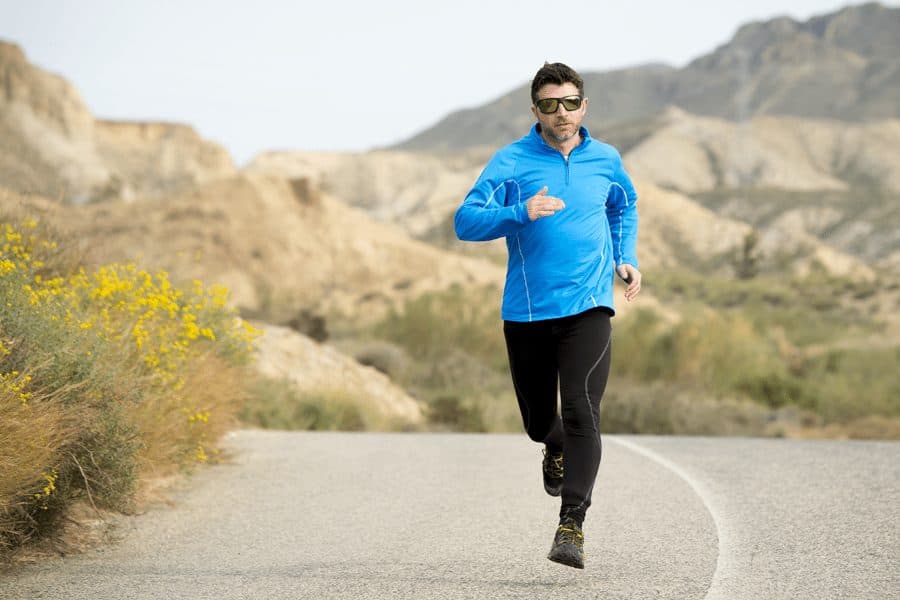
(539, 434)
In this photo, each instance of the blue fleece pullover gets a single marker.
(563, 264)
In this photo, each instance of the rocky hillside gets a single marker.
(838, 182)
(51, 145)
(284, 354)
(699, 154)
(285, 250)
(420, 193)
(409, 189)
(839, 66)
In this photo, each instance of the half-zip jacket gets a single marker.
(563, 264)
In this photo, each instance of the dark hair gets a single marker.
(557, 74)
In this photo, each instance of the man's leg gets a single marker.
(532, 363)
(584, 360)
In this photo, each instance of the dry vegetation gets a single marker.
(763, 356)
(106, 377)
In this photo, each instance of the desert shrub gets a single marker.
(279, 404)
(683, 410)
(725, 354)
(714, 350)
(773, 389)
(796, 304)
(104, 376)
(751, 342)
(456, 414)
(854, 383)
(871, 427)
(453, 342)
(438, 323)
(386, 357)
(499, 407)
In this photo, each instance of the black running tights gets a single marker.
(574, 352)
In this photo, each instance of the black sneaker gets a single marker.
(568, 545)
(553, 473)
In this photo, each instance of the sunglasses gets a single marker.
(548, 106)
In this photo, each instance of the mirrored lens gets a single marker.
(572, 102)
(548, 106)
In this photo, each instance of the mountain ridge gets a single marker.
(836, 66)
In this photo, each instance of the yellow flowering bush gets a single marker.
(104, 374)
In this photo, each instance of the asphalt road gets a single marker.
(342, 515)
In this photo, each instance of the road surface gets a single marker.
(363, 515)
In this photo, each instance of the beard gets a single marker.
(557, 134)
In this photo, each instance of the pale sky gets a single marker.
(352, 75)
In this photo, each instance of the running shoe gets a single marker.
(568, 545)
(553, 472)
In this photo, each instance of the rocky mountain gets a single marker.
(51, 145)
(839, 66)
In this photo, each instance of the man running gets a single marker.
(566, 207)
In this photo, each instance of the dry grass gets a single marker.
(170, 430)
(31, 437)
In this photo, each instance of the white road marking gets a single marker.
(725, 562)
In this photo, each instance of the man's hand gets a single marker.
(632, 277)
(542, 205)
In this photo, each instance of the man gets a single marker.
(567, 209)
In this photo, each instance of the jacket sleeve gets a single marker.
(494, 207)
(621, 212)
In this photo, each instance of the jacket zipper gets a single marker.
(568, 161)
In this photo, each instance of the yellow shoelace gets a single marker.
(555, 465)
(570, 534)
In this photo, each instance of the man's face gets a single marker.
(563, 124)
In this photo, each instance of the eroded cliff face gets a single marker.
(154, 159)
(51, 144)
